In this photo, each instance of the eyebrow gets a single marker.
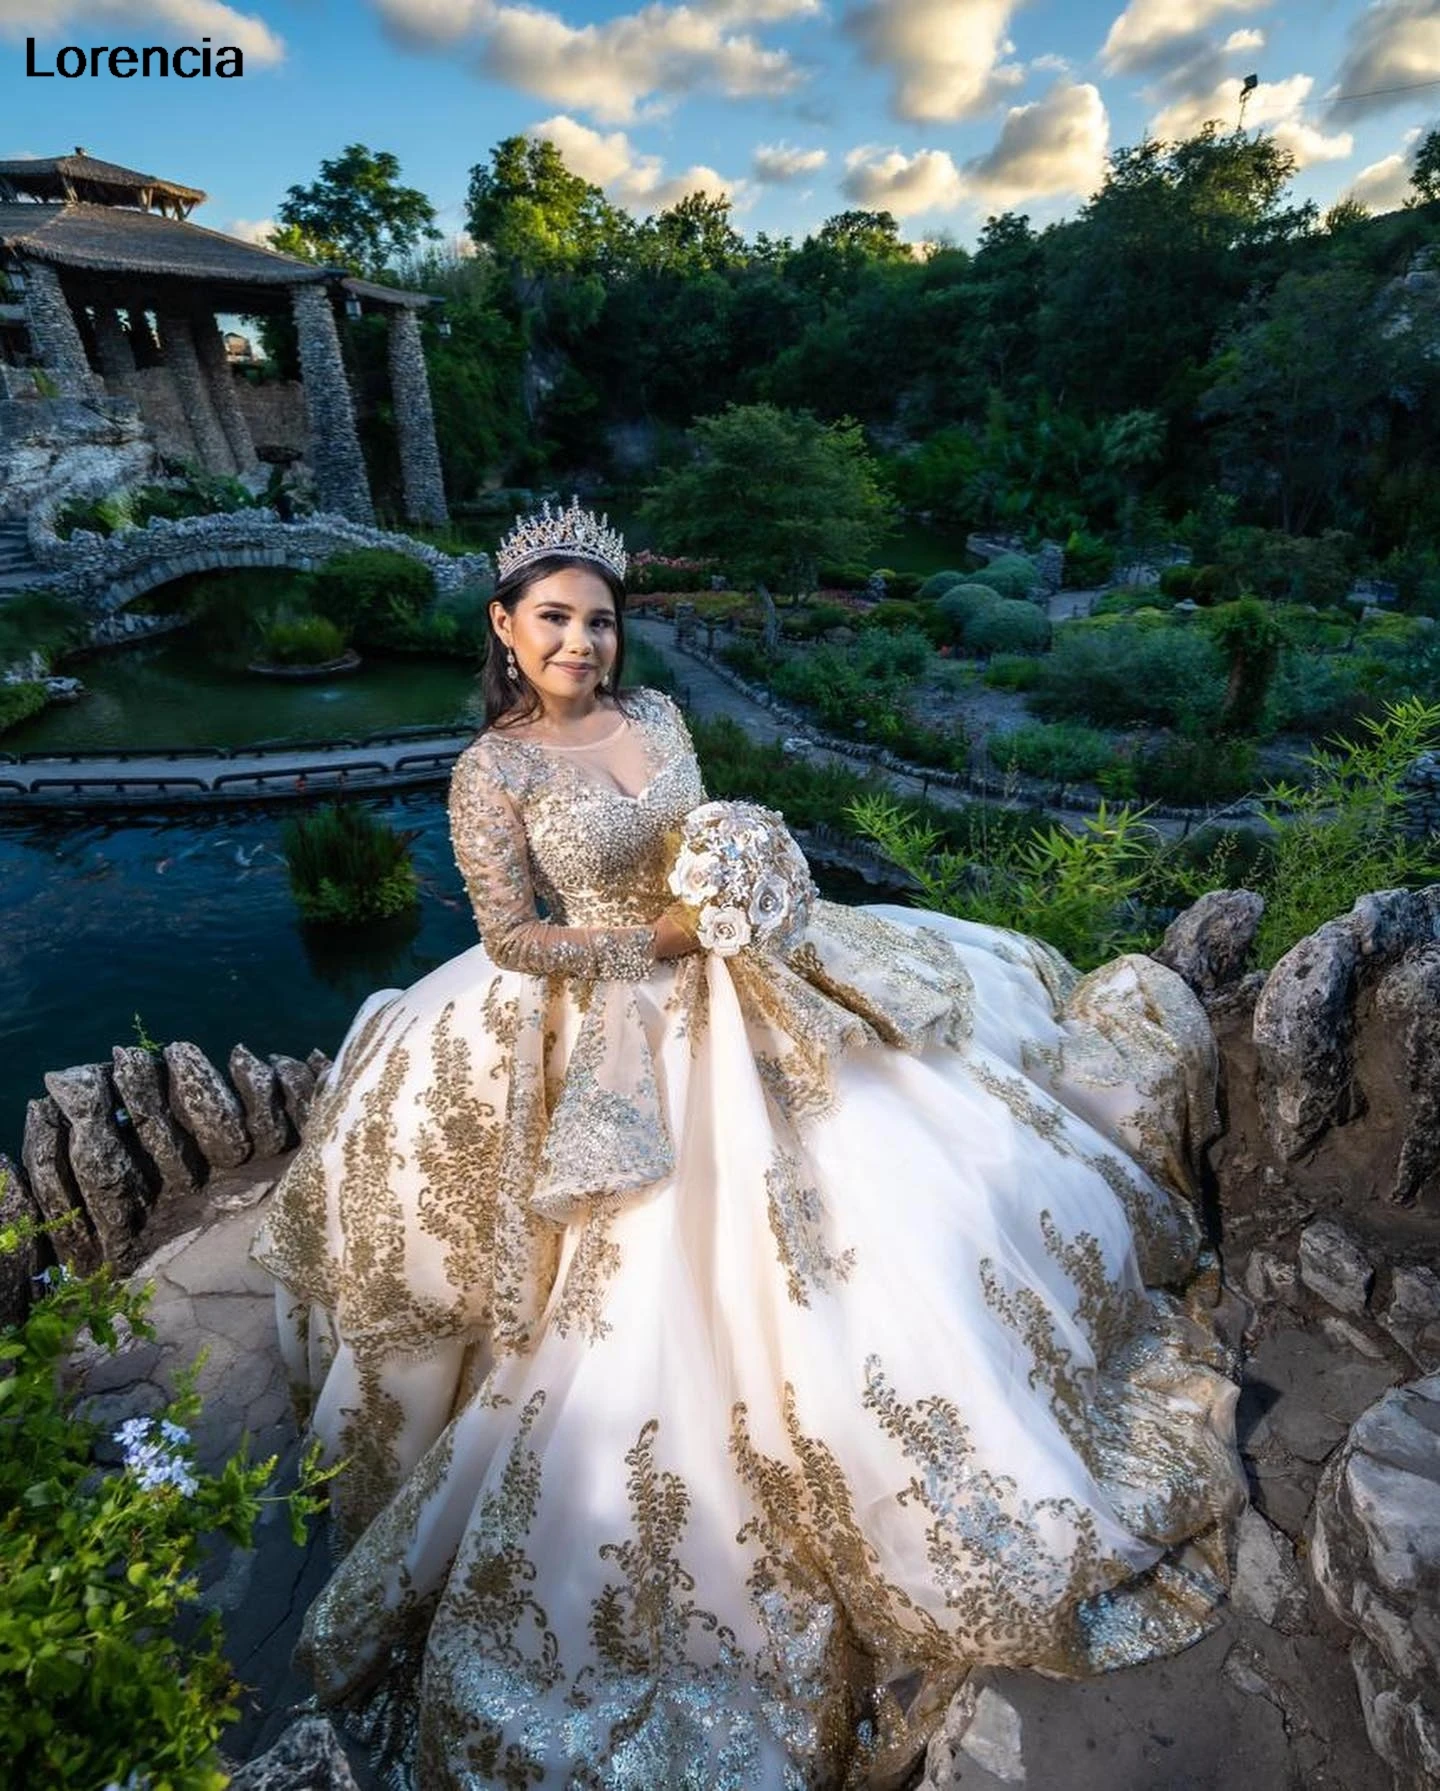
(560, 603)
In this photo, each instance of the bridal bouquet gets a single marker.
(741, 877)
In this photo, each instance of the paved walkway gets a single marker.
(246, 774)
(1252, 1708)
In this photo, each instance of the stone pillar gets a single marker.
(177, 337)
(415, 421)
(221, 381)
(112, 347)
(53, 333)
(335, 458)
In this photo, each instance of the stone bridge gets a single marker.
(105, 572)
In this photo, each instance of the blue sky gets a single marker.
(941, 110)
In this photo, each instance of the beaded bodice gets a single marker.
(534, 825)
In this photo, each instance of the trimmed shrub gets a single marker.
(1010, 627)
(958, 605)
(1011, 575)
(347, 867)
(1064, 751)
(939, 583)
(1124, 600)
(18, 702)
(892, 615)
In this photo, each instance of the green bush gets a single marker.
(374, 595)
(1011, 575)
(347, 867)
(39, 622)
(1063, 752)
(948, 748)
(1123, 673)
(1089, 561)
(99, 1559)
(749, 658)
(300, 640)
(1125, 600)
(958, 605)
(1008, 627)
(842, 578)
(18, 702)
(1178, 582)
(1196, 773)
(1013, 671)
(939, 583)
(892, 615)
(854, 684)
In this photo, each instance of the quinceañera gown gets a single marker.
(728, 1353)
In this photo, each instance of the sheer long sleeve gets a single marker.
(488, 836)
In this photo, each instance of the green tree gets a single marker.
(1425, 175)
(356, 215)
(535, 216)
(770, 494)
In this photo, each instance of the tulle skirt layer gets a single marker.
(723, 1369)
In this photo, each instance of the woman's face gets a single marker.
(562, 633)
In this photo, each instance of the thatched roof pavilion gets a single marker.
(115, 296)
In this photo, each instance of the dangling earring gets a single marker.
(511, 669)
(604, 681)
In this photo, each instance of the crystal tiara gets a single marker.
(573, 531)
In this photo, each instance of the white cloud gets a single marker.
(251, 230)
(608, 160)
(1056, 145)
(1276, 105)
(1244, 40)
(1385, 185)
(945, 55)
(778, 162)
(886, 180)
(1394, 43)
(184, 21)
(1155, 34)
(609, 69)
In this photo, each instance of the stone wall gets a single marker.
(154, 390)
(275, 413)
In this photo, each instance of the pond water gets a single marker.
(177, 692)
(189, 923)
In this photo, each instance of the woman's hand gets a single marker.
(674, 937)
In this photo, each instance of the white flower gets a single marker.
(723, 930)
(769, 901)
(693, 878)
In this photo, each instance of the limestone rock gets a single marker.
(297, 1088)
(206, 1105)
(318, 1064)
(992, 1737)
(1268, 1583)
(1412, 1313)
(1269, 1278)
(47, 1163)
(17, 1267)
(259, 1090)
(307, 1757)
(1334, 1266)
(1375, 1555)
(110, 1180)
(140, 1083)
(1302, 1034)
(1209, 943)
(1408, 998)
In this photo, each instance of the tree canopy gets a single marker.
(356, 215)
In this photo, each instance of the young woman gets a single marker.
(728, 1353)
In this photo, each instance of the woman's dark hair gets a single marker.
(516, 699)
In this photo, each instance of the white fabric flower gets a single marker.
(693, 878)
(769, 902)
(724, 930)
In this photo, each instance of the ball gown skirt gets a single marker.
(728, 1354)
